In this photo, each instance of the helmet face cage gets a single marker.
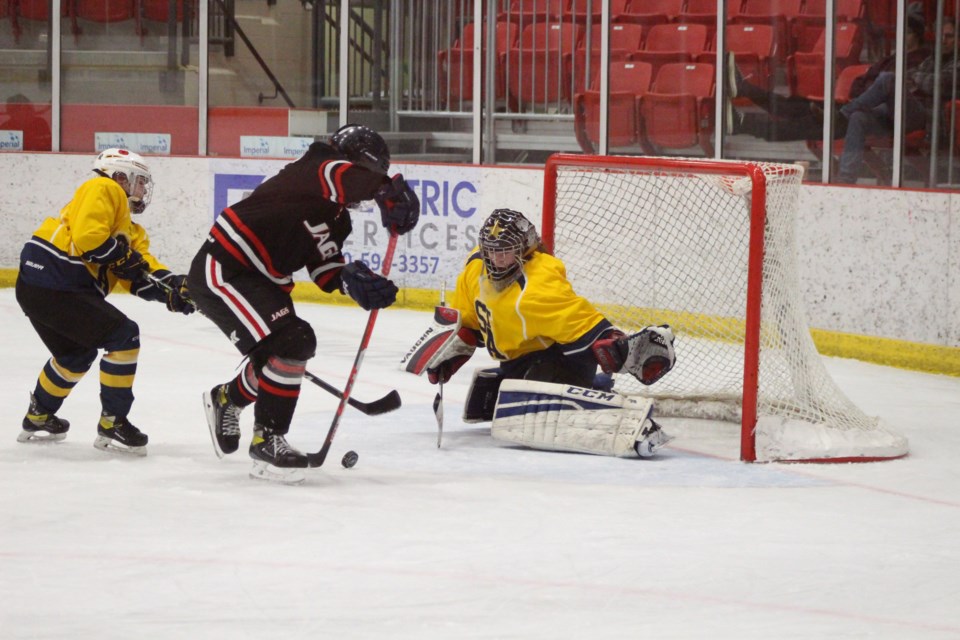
(506, 238)
(130, 171)
(363, 147)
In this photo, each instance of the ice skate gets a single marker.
(118, 434)
(652, 439)
(39, 425)
(274, 459)
(223, 420)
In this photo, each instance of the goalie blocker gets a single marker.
(559, 417)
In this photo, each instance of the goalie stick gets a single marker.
(317, 459)
(386, 404)
(438, 400)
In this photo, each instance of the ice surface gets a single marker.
(474, 540)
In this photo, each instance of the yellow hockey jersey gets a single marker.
(539, 309)
(54, 257)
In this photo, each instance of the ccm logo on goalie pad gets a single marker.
(512, 403)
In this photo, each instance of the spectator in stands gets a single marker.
(23, 116)
(796, 118)
(872, 112)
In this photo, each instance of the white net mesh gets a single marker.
(654, 244)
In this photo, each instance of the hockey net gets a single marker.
(708, 247)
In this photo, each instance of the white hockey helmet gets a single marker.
(131, 172)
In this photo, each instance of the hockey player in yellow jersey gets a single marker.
(514, 298)
(526, 311)
(67, 268)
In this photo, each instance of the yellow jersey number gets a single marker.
(486, 328)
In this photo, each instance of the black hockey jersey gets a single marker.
(298, 218)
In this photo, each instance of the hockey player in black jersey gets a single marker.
(242, 279)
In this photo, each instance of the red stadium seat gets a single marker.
(805, 70)
(526, 12)
(673, 43)
(841, 95)
(677, 113)
(705, 11)
(159, 10)
(844, 85)
(579, 10)
(755, 48)
(809, 24)
(626, 37)
(535, 67)
(780, 14)
(456, 63)
(39, 11)
(625, 40)
(628, 81)
(651, 12)
(104, 11)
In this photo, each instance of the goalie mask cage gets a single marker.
(708, 247)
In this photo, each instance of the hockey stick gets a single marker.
(438, 400)
(387, 403)
(317, 459)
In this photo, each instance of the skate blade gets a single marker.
(40, 436)
(211, 422)
(112, 446)
(264, 471)
(648, 448)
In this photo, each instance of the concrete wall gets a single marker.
(873, 262)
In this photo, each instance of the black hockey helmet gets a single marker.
(507, 238)
(363, 147)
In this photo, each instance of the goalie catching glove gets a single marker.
(370, 290)
(648, 355)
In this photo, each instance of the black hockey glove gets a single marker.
(370, 290)
(178, 297)
(399, 205)
(130, 265)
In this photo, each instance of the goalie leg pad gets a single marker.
(482, 396)
(561, 417)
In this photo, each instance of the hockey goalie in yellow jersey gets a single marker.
(514, 298)
(67, 268)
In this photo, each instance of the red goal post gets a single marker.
(708, 246)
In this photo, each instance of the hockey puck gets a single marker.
(349, 459)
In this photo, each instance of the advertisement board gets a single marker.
(431, 254)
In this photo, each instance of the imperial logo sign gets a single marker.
(11, 140)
